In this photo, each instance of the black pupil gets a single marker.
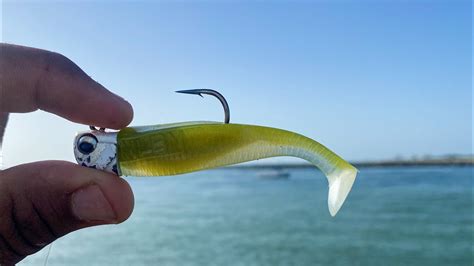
(86, 147)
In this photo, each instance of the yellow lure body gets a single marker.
(179, 148)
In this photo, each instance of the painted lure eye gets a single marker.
(87, 144)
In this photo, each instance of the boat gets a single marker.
(274, 174)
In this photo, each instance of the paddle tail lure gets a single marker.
(179, 148)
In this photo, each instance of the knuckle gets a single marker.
(33, 230)
(57, 62)
(23, 231)
(9, 254)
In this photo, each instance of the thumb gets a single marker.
(40, 202)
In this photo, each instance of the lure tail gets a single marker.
(339, 173)
(340, 184)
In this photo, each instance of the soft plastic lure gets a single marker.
(179, 148)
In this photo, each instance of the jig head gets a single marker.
(97, 149)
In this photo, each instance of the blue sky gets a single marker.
(370, 80)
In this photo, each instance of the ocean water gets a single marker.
(393, 216)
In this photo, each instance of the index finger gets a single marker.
(33, 79)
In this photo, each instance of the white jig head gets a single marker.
(97, 149)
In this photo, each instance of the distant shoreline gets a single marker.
(388, 163)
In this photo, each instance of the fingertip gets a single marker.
(113, 111)
(127, 114)
(120, 196)
(115, 189)
(126, 202)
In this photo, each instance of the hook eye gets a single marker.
(87, 143)
(94, 128)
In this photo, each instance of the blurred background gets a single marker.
(385, 84)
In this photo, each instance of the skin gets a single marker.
(42, 201)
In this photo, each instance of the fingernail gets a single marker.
(90, 204)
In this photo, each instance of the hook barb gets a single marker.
(214, 93)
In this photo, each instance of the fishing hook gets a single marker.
(215, 94)
(99, 129)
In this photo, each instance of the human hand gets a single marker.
(42, 201)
